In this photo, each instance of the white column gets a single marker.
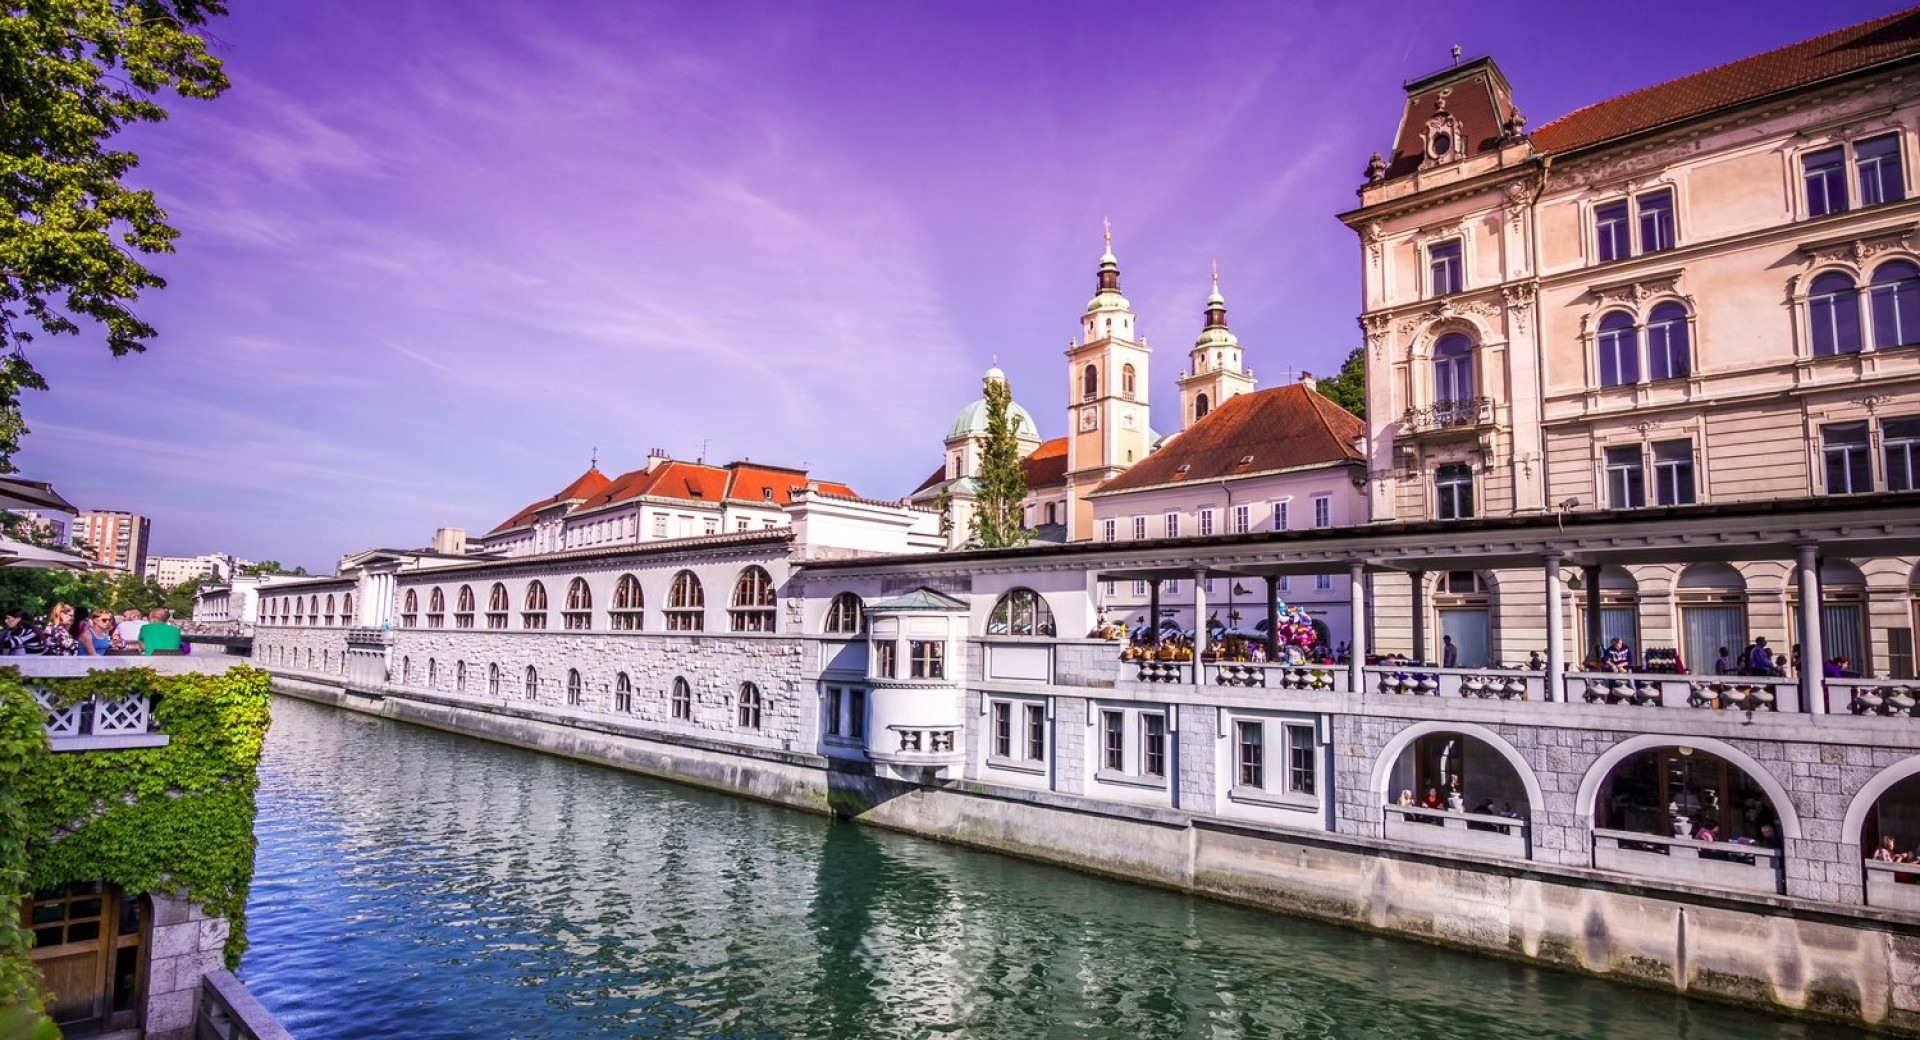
(1199, 623)
(1813, 689)
(1556, 650)
(1357, 644)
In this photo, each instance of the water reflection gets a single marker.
(418, 884)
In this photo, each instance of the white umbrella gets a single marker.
(25, 554)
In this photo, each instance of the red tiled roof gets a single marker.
(937, 476)
(1476, 94)
(750, 483)
(1283, 428)
(584, 486)
(1047, 466)
(1895, 37)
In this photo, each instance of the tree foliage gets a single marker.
(270, 567)
(73, 74)
(1003, 484)
(1349, 388)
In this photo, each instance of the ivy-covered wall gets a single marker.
(174, 820)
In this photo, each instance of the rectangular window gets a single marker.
(834, 707)
(1323, 583)
(927, 658)
(740, 524)
(1901, 440)
(1036, 733)
(1242, 519)
(1656, 221)
(1206, 523)
(1322, 511)
(1172, 588)
(660, 526)
(1302, 761)
(1612, 232)
(1673, 473)
(1826, 179)
(1173, 525)
(1209, 586)
(1106, 587)
(1109, 529)
(1153, 744)
(712, 525)
(1139, 528)
(1113, 745)
(1280, 516)
(1002, 729)
(1849, 467)
(1248, 738)
(884, 660)
(1453, 487)
(857, 714)
(1443, 266)
(1626, 478)
(1876, 162)
(1283, 583)
(1139, 589)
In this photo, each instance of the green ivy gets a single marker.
(23, 741)
(174, 820)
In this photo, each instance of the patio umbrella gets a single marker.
(25, 554)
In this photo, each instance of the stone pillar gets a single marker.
(1591, 576)
(1273, 617)
(1199, 619)
(1357, 605)
(1813, 688)
(1556, 650)
(1419, 579)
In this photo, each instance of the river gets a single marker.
(416, 884)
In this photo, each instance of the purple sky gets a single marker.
(433, 253)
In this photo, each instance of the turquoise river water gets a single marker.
(415, 884)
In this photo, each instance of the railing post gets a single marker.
(1199, 623)
(1556, 649)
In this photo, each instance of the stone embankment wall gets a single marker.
(1852, 964)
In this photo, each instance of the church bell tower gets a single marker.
(1106, 396)
(1215, 372)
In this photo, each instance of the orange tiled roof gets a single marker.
(1047, 466)
(1895, 37)
(687, 481)
(1282, 428)
(584, 486)
(752, 483)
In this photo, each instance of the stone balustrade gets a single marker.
(1717, 864)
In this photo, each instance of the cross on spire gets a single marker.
(1106, 227)
(594, 461)
(1216, 274)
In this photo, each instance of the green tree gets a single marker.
(135, 592)
(270, 567)
(1003, 484)
(943, 504)
(73, 74)
(1349, 388)
(179, 599)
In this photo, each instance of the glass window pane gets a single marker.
(1901, 438)
(1834, 311)
(1894, 299)
(1656, 221)
(1443, 261)
(1610, 228)
(1877, 162)
(1826, 180)
(1667, 353)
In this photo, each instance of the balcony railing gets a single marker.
(1723, 864)
(1450, 415)
(96, 723)
(1647, 690)
(1470, 832)
(1503, 684)
(227, 1011)
(1893, 885)
(1880, 697)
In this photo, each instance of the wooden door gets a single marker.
(89, 943)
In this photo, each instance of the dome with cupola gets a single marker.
(972, 420)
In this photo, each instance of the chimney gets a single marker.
(1307, 380)
(450, 540)
(656, 457)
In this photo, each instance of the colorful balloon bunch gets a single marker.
(1296, 628)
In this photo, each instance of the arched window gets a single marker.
(299, 611)
(1020, 612)
(686, 604)
(574, 685)
(1667, 353)
(497, 606)
(1833, 314)
(330, 610)
(682, 699)
(313, 608)
(1453, 491)
(1452, 371)
(533, 683)
(463, 607)
(753, 601)
(409, 609)
(628, 604)
(1126, 381)
(433, 674)
(436, 608)
(346, 610)
(1894, 299)
(749, 706)
(1619, 348)
(845, 615)
(493, 680)
(623, 693)
(460, 677)
(1089, 383)
(534, 613)
(1200, 408)
(579, 613)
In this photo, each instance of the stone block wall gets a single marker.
(185, 945)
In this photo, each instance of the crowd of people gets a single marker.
(64, 634)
